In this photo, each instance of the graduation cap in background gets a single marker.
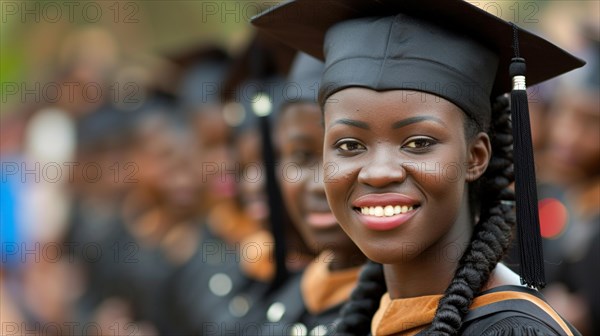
(264, 58)
(105, 127)
(432, 46)
(184, 58)
(304, 80)
(255, 80)
(201, 74)
(112, 125)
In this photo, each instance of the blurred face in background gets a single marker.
(179, 183)
(151, 151)
(252, 177)
(538, 111)
(167, 159)
(574, 136)
(217, 166)
(300, 141)
(254, 198)
(102, 168)
(89, 55)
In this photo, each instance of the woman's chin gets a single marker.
(389, 254)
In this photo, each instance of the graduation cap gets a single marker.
(264, 59)
(106, 126)
(449, 48)
(189, 56)
(304, 79)
(203, 70)
(253, 80)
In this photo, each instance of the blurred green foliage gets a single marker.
(32, 32)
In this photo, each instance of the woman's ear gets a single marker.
(480, 152)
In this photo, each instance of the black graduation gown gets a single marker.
(210, 295)
(502, 311)
(514, 317)
(285, 313)
(92, 239)
(140, 275)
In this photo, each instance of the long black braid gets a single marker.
(356, 314)
(489, 241)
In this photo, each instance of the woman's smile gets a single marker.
(387, 211)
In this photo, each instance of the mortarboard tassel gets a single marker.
(262, 108)
(530, 240)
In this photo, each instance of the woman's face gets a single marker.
(300, 140)
(152, 150)
(574, 137)
(216, 155)
(252, 181)
(397, 163)
(179, 182)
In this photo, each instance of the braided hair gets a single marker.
(489, 241)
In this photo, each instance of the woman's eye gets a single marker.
(350, 146)
(420, 143)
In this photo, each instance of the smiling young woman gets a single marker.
(394, 154)
(422, 160)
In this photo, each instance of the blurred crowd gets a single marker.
(140, 202)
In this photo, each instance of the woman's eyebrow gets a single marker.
(412, 120)
(351, 122)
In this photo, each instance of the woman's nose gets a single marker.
(315, 179)
(381, 169)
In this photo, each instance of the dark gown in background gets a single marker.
(210, 294)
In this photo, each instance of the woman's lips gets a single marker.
(321, 220)
(224, 186)
(393, 199)
(383, 212)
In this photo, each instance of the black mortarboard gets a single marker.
(106, 125)
(265, 58)
(202, 84)
(304, 79)
(190, 56)
(203, 75)
(423, 45)
(255, 80)
(449, 48)
(303, 82)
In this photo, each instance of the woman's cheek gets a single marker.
(443, 182)
(340, 177)
(289, 189)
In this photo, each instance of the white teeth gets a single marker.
(388, 210)
(385, 211)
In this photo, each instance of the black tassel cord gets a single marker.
(530, 240)
(275, 205)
